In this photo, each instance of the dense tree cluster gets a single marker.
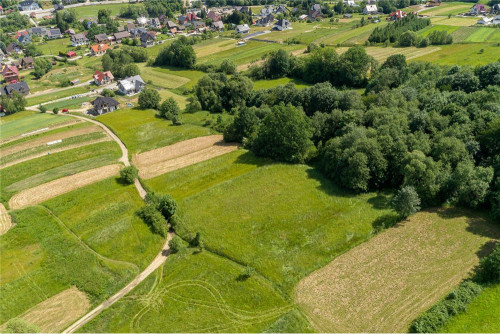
(158, 212)
(121, 62)
(14, 22)
(394, 30)
(42, 66)
(435, 129)
(323, 64)
(180, 53)
(12, 104)
(155, 8)
(132, 12)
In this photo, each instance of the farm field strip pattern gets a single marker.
(423, 259)
(34, 131)
(182, 154)
(61, 186)
(5, 220)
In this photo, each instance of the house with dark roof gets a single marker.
(10, 73)
(155, 23)
(13, 48)
(280, 9)
(130, 26)
(103, 105)
(218, 25)
(282, 25)
(101, 38)
(58, 6)
(103, 78)
(54, 34)
(79, 39)
(265, 21)
(37, 31)
(26, 63)
(147, 40)
(118, 36)
(20, 87)
(188, 18)
(316, 7)
(28, 5)
(170, 24)
(315, 15)
(243, 9)
(24, 39)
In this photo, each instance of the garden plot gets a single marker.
(397, 275)
(182, 154)
(61, 186)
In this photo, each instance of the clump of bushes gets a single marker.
(129, 174)
(438, 315)
(158, 212)
(489, 267)
(18, 325)
(176, 244)
(154, 219)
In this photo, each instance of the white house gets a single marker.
(282, 25)
(242, 29)
(485, 21)
(370, 9)
(131, 85)
(28, 5)
(79, 39)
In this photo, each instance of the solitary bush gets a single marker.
(248, 272)
(176, 244)
(154, 219)
(129, 174)
(55, 111)
(43, 109)
(456, 302)
(169, 109)
(18, 325)
(149, 99)
(406, 202)
(196, 241)
(164, 203)
(107, 92)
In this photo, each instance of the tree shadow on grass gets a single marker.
(385, 221)
(478, 222)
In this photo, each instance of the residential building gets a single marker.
(280, 9)
(496, 20)
(54, 33)
(38, 32)
(265, 21)
(477, 9)
(142, 21)
(189, 17)
(79, 39)
(20, 87)
(155, 23)
(370, 9)
(495, 9)
(28, 5)
(101, 38)
(485, 21)
(316, 7)
(2, 56)
(130, 26)
(242, 29)
(24, 39)
(397, 15)
(282, 25)
(214, 16)
(103, 105)
(147, 40)
(171, 25)
(118, 36)
(10, 73)
(99, 49)
(103, 78)
(350, 3)
(58, 6)
(71, 54)
(26, 63)
(218, 25)
(137, 32)
(131, 85)
(13, 48)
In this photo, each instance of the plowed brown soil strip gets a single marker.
(182, 154)
(61, 186)
(55, 150)
(59, 311)
(385, 283)
(45, 139)
(5, 221)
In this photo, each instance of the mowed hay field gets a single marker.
(481, 315)
(149, 131)
(283, 220)
(450, 8)
(200, 292)
(89, 238)
(398, 274)
(463, 54)
(27, 121)
(382, 53)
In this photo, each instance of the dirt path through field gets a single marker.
(182, 154)
(157, 262)
(61, 186)
(51, 151)
(5, 220)
(45, 139)
(385, 283)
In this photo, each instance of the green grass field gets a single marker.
(26, 121)
(448, 8)
(484, 35)
(285, 220)
(70, 104)
(58, 73)
(91, 11)
(449, 29)
(481, 315)
(142, 131)
(44, 98)
(37, 171)
(265, 84)
(464, 54)
(54, 46)
(200, 292)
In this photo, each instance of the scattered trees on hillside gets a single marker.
(158, 211)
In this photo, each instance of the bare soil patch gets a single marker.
(182, 154)
(59, 311)
(5, 220)
(385, 283)
(45, 139)
(61, 186)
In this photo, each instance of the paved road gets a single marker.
(157, 262)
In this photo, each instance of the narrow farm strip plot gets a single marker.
(61, 186)
(27, 123)
(162, 78)
(55, 147)
(397, 275)
(182, 154)
(54, 314)
(5, 220)
(465, 54)
(381, 53)
(481, 35)
(463, 33)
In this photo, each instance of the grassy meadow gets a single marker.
(27, 121)
(463, 54)
(285, 220)
(44, 98)
(201, 292)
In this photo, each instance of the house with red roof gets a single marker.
(70, 54)
(103, 78)
(10, 73)
(397, 15)
(214, 16)
(99, 49)
(477, 9)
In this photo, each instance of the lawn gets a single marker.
(454, 21)
(44, 98)
(58, 73)
(398, 274)
(40, 257)
(464, 54)
(449, 29)
(54, 46)
(92, 10)
(142, 130)
(463, 33)
(484, 35)
(37, 171)
(382, 53)
(351, 35)
(481, 315)
(448, 8)
(174, 77)
(70, 104)
(200, 292)
(284, 220)
(265, 84)
(26, 121)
